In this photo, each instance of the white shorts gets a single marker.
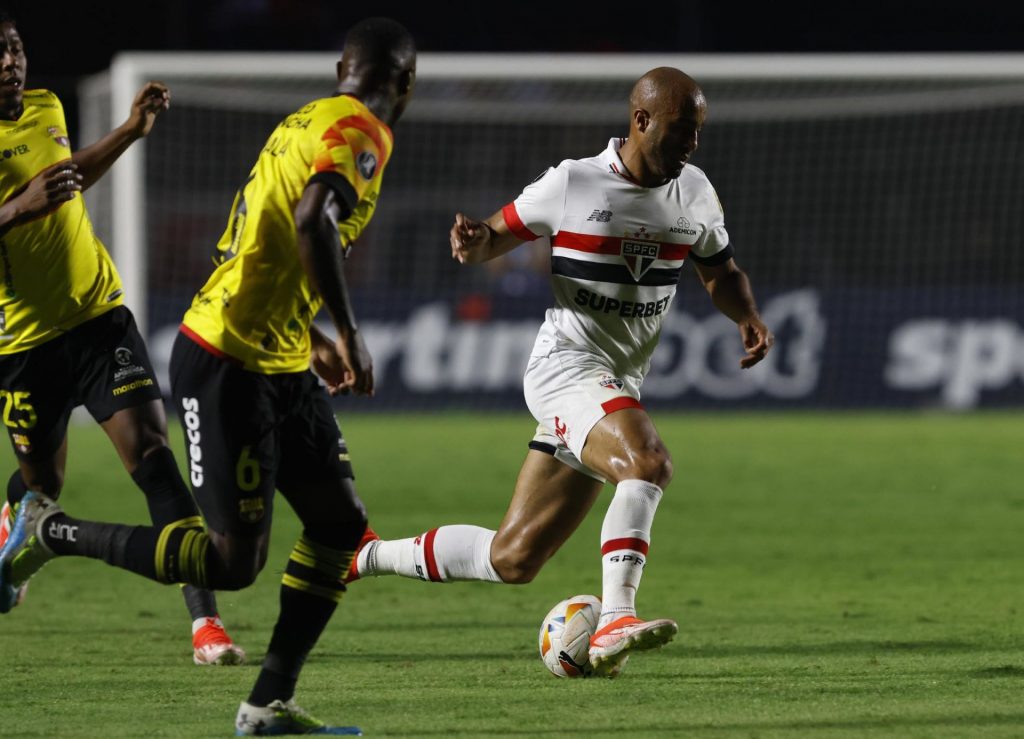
(568, 392)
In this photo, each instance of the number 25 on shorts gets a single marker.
(16, 403)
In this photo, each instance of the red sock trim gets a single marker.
(636, 545)
(428, 554)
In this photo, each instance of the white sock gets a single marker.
(440, 555)
(201, 622)
(625, 537)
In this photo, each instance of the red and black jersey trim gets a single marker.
(342, 188)
(715, 259)
(618, 274)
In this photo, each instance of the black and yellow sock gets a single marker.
(178, 552)
(169, 500)
(310, 590)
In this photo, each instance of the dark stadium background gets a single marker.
(66, 40)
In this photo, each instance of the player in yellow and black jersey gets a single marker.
(65, 337)
(255, 417)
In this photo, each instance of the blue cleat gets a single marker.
(281, 718)
(24, 552)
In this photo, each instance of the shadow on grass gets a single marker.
(965, 721)
(988, 673)
(873, 648)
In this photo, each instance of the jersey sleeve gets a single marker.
(713, 247)
(538, 209)
(348, 153)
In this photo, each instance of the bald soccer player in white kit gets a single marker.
(621, 224)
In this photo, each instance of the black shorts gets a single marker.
(247, 434)
(101, 364)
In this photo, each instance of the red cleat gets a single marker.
(611, 646)
(353, 571)
(211, 645)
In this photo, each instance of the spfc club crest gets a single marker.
(611, 382)
(639, 256)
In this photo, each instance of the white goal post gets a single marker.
(805, 151)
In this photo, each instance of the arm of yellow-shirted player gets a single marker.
(94, 160)
(316, 225)
(44, 192)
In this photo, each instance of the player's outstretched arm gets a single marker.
(94, 160)
(349, 366)
(478, 241)
(730, 291)
(45, 192)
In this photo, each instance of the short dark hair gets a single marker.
(380, 41)
(6, 17)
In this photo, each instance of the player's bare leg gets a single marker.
(549, 501)
(625, 447)
(139, 434)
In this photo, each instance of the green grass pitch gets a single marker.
(834, 575)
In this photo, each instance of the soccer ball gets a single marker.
(565, 635)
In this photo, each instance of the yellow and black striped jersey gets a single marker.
(55, 272)
(258, 304)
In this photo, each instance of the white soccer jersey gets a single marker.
(617, 250)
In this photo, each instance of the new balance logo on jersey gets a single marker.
(639, 256)
(601, 216)
(62, 532)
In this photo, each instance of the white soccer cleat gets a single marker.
(611, 646)
(211, 645)
(282, 717)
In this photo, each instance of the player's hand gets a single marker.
(470, 240)
(153, 99)
(757, 340)
(49, 189)
(356, 366)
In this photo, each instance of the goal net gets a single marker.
(875, 202)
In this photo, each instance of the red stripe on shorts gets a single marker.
(617, 404)
(636, 545)
(428, 553)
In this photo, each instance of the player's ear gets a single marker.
(642, 119)
(406, 80)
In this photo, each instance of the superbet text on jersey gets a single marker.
(617, 252)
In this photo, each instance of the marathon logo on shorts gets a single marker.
(611, 382)
(127, 388)
(639, 256)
